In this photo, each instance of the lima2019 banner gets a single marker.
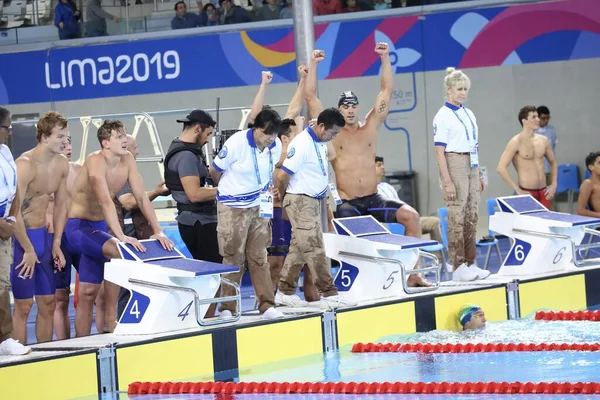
(543, 32)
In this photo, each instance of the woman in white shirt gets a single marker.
(455, 136)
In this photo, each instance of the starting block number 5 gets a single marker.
(390, 280)
(518, 253)
(346, 277)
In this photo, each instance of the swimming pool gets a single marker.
(345, 366)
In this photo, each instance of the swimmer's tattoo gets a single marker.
(382, 107)
(25, 210)
(26, 203)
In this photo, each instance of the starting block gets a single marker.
(168, 291)
(542, 241)
(375, 263)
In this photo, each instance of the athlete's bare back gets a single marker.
(43, 178)
(84, 201)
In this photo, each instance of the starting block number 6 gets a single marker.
(518, 253)
(559, 255)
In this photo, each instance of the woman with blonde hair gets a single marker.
(455, 136)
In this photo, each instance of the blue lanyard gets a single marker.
(320, 159)
(258, 172)
(464, 126)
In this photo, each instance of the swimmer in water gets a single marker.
(471, 317)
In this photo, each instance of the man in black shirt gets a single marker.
(186, 175)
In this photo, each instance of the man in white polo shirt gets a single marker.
(243, 170)
(303, 181)
(8, 192)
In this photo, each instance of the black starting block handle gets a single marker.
(199, 302)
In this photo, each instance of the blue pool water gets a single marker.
(345, 366)
(513, 331)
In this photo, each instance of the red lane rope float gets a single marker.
(140, 388)
(567, 315)
(469, 347)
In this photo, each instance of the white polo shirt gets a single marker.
(239, 186)
(455, 128)
(8, 180)
(306, 162)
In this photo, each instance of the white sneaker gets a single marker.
(225, 314)
(337, 301)
(289, 300)
(11, 347)
(272, 313)
(481, 273)
(464, 274)
(449, 267)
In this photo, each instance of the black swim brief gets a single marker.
(381, 208)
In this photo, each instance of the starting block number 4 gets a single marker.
(136, 308)
(186, 311)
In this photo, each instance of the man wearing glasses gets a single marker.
(8, 192)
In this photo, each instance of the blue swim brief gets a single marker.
(42, 282)
(282, 233)
(84, 240)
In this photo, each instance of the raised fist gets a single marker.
(318, 55)
(382, 48)
(267, 77)
(302, 70)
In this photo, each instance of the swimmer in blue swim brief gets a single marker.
(92, 211)
(41, 173)
(62, 278)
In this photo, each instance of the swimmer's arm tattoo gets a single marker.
(382, 106)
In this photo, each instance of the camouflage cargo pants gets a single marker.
(6, 325)
(463, 211)
(244, 236)
(306, 246)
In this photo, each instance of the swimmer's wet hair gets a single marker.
(524, 113)
(591, 159)
(49, 121)
(105, 130)
(455, 77)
